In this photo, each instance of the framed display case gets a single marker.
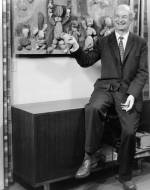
(38, 25)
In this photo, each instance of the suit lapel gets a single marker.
(114, 46)
(129, 45)
(115, 51)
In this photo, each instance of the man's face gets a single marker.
(122, 20)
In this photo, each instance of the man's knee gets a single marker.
(96, 109)
(91, 106)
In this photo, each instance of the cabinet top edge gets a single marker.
(52, 106)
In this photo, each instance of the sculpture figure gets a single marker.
(90, 34)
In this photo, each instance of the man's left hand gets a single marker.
(128, 105)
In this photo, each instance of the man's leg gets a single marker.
(95, 113)
(129, 124)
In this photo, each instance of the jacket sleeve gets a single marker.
(90, 58)
(136, 86)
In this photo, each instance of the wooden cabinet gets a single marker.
(48, 140)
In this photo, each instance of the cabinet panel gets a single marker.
(60, 143)
(23, 145)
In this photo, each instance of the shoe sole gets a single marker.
(82, 176)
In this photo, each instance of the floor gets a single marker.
(102, 180)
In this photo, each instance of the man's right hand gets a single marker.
(71, 42)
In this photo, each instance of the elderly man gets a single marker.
(123, 75)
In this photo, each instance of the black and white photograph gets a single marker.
(74, 95)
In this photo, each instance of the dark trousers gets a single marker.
(95, 114)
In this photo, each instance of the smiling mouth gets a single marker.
(121, 24)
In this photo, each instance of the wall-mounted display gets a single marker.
(38, 25)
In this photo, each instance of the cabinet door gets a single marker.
(60, 143)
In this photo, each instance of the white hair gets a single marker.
(127, 8)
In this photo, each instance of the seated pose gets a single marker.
(124, 72)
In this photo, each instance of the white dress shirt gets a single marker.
(125, 38)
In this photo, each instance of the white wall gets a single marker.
(1, 104)
(52, 78)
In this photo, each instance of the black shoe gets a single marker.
(84, 170)
(127, 185)
(90, 162)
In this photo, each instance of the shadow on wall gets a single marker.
(62, 69)
(66, 71)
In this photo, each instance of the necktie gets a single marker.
(121, 48)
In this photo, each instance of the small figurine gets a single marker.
(24, 40)
(56, 21)
(38, 34)
(82, 31)
(41, 42)
(74, 29)
(90, 34)
(66, 20)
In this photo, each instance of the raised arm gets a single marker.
(83, 59)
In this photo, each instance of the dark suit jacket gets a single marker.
(131, 74)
